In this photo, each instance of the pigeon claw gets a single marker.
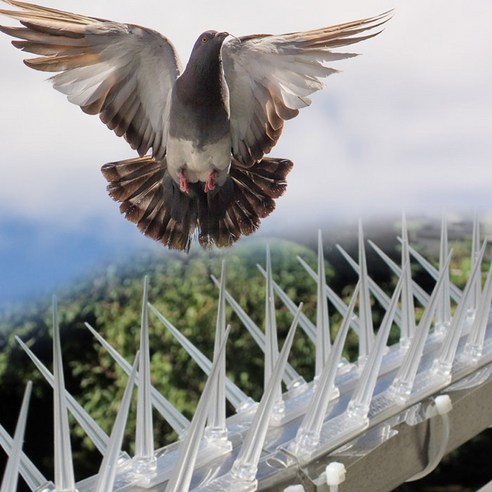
(184, 186)
(210, 184)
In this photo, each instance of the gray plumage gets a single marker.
(201, 134)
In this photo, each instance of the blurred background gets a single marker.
(405, 126)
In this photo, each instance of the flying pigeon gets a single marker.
(202, 133)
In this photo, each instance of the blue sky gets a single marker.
(39, 259)
(407, 126)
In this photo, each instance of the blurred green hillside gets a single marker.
(181, 289)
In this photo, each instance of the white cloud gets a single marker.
(406, 125)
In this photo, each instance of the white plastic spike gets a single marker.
(175, 418)
(239, 400)
(309, 431)
(280, 453)
(378, 293)
(407, 326)
(443, 312)
(366, 335)
(246, 464)
(216, 423)
(420, 294)
(340, 306)
(64, 474)
(90, 426)
(475, 251)
(444, 360)
(32, 476)
(109, 465)
(402, 385)
(291, 377)
(323, 344)
(476, 337)
(454, 292)
(183, 472)
(271, 352)
(11, 474)
(144, 432)
(359, 404)
(304, 322)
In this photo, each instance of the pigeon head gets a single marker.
(209, 43)
(205, 62)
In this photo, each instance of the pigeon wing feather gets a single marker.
(270, 77)
(122, 72)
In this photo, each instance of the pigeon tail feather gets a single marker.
(236, 208)
(151, 199)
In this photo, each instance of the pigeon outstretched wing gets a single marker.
(123, 72)
(270, 77)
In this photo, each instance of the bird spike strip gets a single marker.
(276, 439)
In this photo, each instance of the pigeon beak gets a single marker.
(222, 35)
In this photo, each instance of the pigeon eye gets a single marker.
(204, 39)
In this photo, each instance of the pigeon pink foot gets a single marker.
(183, 182)
(210, 184)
